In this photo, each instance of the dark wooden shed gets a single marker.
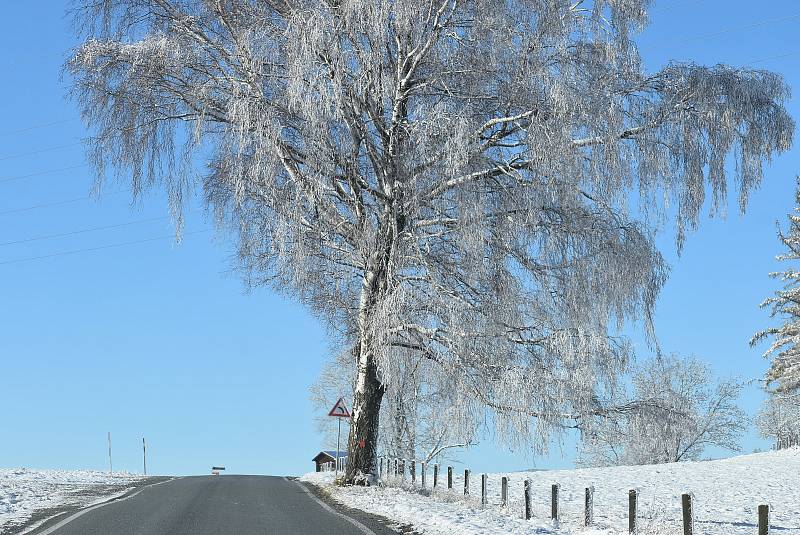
(324, 457)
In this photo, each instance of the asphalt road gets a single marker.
(218, 505)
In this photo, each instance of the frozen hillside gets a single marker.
(25, 493)
(726, 497)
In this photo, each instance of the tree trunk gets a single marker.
(362, 444)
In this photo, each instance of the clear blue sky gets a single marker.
(161, 340)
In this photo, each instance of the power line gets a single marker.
(40, 151)
(739, 28)
(40, 173)
(676, 5)
(58, 203)
(37, 126)
(100, 248)
(83, 231)
(777, 56)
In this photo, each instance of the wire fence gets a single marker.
(522, 498)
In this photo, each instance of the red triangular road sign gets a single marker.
(340, 410)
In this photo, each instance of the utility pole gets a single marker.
(144, 455)
(110, 463)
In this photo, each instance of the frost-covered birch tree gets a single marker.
(784, 371)
(674, 411)
(467, 183)
(779, 419)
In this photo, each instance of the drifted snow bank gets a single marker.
(24, 492)
(726, 492)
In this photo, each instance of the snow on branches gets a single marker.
(444, 181)
(673, 413)
(784, 370)
(779, 419)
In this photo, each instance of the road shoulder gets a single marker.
(378, 524)
(43, 519)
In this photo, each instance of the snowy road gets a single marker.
(234, 505)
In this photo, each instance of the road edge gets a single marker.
(42, 528)
(361, 527)
(382, 524)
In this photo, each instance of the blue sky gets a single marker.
(161, 340)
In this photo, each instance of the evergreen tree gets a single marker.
(783, 374)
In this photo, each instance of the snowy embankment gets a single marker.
(726, 492)
(25, 493)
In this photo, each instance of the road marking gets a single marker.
(364, 529)
(82, 512)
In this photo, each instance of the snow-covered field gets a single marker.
(726, 497)
(25, 492)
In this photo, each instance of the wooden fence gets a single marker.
(391, 469)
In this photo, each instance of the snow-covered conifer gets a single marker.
(784, 371)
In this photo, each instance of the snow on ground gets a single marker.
(726, 492)
(24, 492)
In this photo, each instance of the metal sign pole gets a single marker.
(338, 436)
(339, 411)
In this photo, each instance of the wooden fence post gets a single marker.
(435, 475)
(466, 482)
(449, 478)
(763, 520)
(483, 489)
(554, 502)
(424, 469)
(527, 499)
(633, 498)
(588, 515)
(413, 472)
(688, 514)
(504, 491)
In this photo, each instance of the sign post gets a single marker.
(339, 411)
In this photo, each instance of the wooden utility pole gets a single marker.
(110, 463)
(144, 455)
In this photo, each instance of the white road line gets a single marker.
(364, 529)
(92, 508)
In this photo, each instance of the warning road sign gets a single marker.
(340, 410)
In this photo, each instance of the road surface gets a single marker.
(218, 505)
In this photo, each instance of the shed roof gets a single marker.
(333, 454)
